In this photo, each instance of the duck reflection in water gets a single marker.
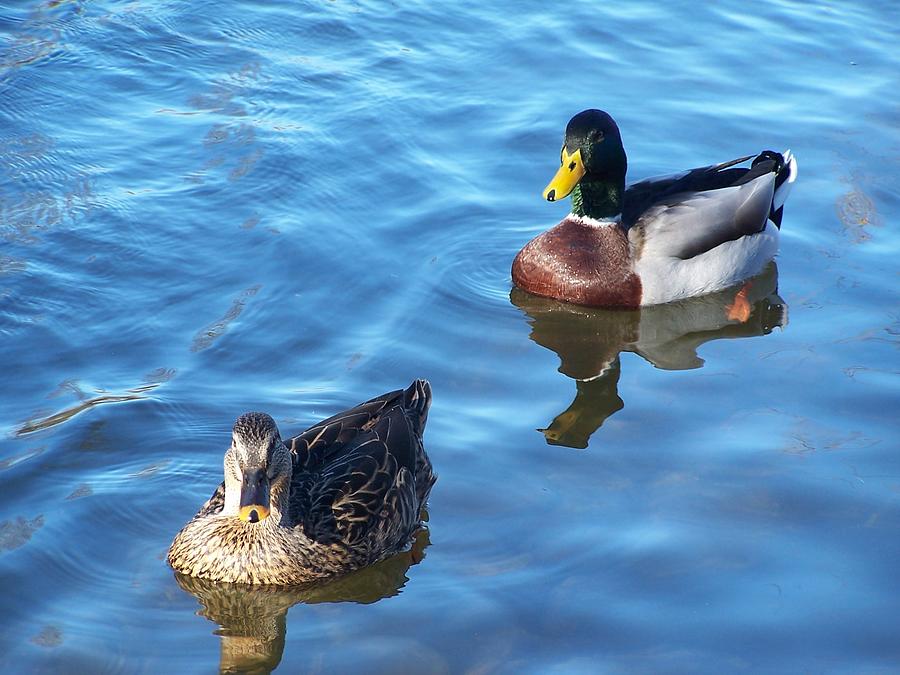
(588, 342)
(253, 619)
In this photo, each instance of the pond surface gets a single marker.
(208, 208)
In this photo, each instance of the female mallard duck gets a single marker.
(343, 494)
(659, 240)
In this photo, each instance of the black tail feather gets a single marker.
(775, 162)
(417, 401)
(775, 217)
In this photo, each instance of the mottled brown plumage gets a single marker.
(345, 493)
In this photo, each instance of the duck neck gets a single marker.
(598, 198)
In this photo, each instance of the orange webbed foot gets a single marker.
(739, 310)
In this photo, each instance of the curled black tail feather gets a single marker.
(417, 401)
(785, 175)
(783, 166)
(775, 157)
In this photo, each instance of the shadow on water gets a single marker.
(588, 342)
(253, 620)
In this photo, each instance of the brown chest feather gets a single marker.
(580, 263)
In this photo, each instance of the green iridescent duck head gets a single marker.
(592, 166)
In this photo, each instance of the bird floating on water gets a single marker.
(343, 494)
(659, 240)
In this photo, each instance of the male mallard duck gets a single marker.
(659, 240)
(343, 494)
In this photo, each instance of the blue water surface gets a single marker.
(208, 208)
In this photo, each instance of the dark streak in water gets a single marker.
(170, 111)
(10, 462)
(63, 415)
(244, 165)
(68, 386)
(213, 331)
(83, 490)
(230, 140)
(891, 334)
(149, 470)
(250, 223)
(16, 533)
(217, 134)
(160, 375)
(50, 636)
(135, 394)
(26, 51)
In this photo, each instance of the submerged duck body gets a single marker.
(343, 494)
(659, 240)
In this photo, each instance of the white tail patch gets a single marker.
(781, 194)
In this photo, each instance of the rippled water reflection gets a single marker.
(588, 342)
(252, 620)
(209, 208)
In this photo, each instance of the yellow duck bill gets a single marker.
(565, 180)
(254, 496)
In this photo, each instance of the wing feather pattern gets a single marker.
(684, 215)
(362, 474)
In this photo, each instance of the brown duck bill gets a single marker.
(254, 496)
(570, 172)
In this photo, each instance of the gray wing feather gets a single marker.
(687, 224)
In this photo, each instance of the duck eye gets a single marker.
(599, 136)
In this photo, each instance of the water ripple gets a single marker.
(133, 394)
(295, 206)
(206, 336)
